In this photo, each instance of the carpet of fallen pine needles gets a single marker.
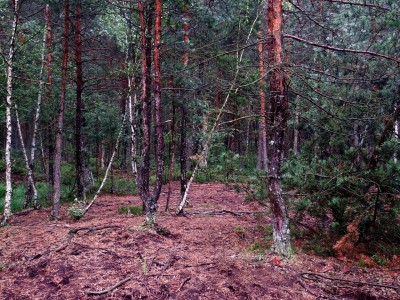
(208, 254)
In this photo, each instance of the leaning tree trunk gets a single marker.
(9, 71)
(278, 126)
(60, 122)
(79, 105)
(31, 182)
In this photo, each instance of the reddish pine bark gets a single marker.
(278, 124)
(150, 199)
(60, 122)
(157, 98)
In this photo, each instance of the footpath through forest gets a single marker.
(214, 252)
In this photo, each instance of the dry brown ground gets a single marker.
(203, 256)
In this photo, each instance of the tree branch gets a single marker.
(296, 38)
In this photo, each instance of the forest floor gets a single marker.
(214, 252)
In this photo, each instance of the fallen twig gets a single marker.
(224, 211)
(111, 288)
(24, 212)
(306, 274)
(183, 283)
(89, 229)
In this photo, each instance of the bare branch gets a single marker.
(296, 38)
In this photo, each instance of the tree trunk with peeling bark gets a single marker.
(9, 72)
(55, 213)
(278, 126)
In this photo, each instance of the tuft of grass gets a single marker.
(267, 230)
(130, 210)
(260, 247)
(240, 231)
(379, 260)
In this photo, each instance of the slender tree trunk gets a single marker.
(39, 104)
(79, 105)
(48, 98)
(9, 71)
(171, 157)
(262, 159)
(278, 125)
(133, 129)
(184, 150)
(109, 167)
(132, 111)
(397, 134)
(144, 168)
(151, 211)
(60, 122)
(31, 182)
(296, 137)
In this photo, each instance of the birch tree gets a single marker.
(9, 74)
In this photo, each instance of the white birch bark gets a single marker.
(30, 161)
(132, 124)
(37, 116)
(9, 70)
(31, 181)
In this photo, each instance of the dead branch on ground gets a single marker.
(314, 277)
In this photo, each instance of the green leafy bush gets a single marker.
(76, 211)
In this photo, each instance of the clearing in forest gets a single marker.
(219, 250)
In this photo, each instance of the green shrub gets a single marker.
(130, 210)
(76, 211)
(120, 186)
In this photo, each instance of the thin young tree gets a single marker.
(262, 124)
(9, 75)
(79, 120)
(184, 110)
